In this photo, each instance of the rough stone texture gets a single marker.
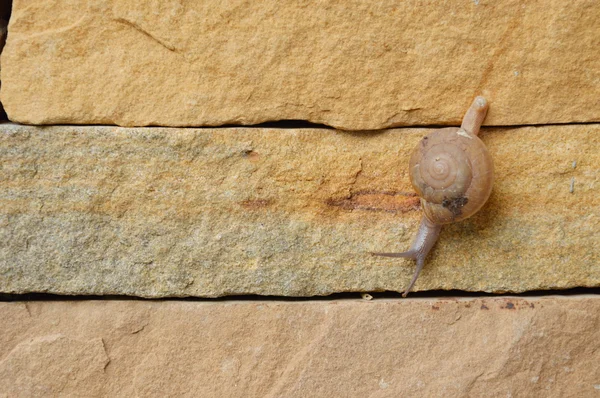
(353, 65)
(496, 347)
(209, 212)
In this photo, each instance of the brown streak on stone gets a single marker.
(379, 201)
(251, 155)
(255, 204)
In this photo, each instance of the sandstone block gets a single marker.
(492, 347)
(358, 65)
(160, 212)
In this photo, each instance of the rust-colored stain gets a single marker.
(517, 305)
(435, 307)
(256, 204)
(251, 155)
(381, 201)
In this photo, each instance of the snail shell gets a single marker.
(452, 172)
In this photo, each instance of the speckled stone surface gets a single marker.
(491, 347)
(352, 65)
(160, 212)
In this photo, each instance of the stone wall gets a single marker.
(534, 347)
(159, 212)
(172, 149)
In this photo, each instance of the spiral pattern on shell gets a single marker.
(452, 172)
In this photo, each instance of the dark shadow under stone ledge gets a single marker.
(434, 294)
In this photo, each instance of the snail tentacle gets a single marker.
(426, 237)
(473, 119)
(420, 264)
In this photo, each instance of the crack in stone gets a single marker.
(108, 360)
(148, 34)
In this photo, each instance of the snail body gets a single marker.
(452, 172)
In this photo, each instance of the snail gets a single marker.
(452, 172)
